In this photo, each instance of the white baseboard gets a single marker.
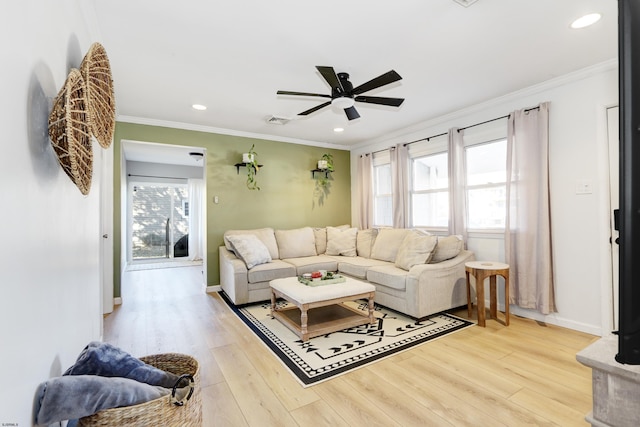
(212, 289)
(117, 301)
(552, 319)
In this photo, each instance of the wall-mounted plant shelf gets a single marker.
(325, 171)
(239, 165)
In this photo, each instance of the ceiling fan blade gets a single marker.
(286, 92)
(351, 113)
(330, 76)
(316, 108)
(393, 102)
(385, 79)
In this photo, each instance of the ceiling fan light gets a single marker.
(343, 102)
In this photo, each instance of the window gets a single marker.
(382, 190)
(486, 184)
(430, 191)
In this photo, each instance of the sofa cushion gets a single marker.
(364, 241)
(310, 264)
(447, 248)
(320, 234)
(357, 266)
(415, 249)
(341, 242)
(266, 236)
(249, 249)
(296, 243)
(387, 243)
(276, 269)
(388, 275)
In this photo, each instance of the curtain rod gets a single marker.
(470, 126)
(154, 176)
(445, 133)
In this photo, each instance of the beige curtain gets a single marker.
(400, 185)
(365, 191)
(528, 225)
(457, 183)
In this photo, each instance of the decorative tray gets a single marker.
(336, 278)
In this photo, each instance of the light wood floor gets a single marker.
(524, 374)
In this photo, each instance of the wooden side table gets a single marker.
(481, 270)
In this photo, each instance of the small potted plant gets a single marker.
(326, 162)
(250, 159)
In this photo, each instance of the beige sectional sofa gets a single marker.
(414, 273)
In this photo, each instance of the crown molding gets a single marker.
(223, 131)
(429, 124)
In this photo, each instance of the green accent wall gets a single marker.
(288, 196)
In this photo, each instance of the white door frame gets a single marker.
(610, 297)
(106, 229)
(125, 221)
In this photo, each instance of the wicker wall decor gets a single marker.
(96, 72)
(69, 130)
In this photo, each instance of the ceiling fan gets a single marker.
(343, 94)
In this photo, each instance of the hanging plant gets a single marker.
(250, 159)
(326, 162)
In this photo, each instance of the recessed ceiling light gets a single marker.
(586, 20)
(199, 107)
(338, 129)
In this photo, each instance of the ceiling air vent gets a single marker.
(275, 120)
(465, 3)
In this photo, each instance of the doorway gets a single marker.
(164, 191)
(159, 221)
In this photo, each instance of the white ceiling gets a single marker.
(234, 56)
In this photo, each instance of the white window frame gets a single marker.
(492, 132)
(381, 159)
(434, 146)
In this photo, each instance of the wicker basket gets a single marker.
(161, 411)
(69, 130)
(96, 71)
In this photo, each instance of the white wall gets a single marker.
(49, 257)
(578, 152)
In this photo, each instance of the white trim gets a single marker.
(117, 301)
(553, 319)
(212, 289)
(223, 131)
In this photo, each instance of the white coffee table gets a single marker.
(319, 310)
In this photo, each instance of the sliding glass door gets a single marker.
(159, 216)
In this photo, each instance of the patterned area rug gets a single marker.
(327, 356)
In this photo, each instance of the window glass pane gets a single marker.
(383, 179)
(486, 189)
(486, 163)
(382, 211)
(430, 172)
(382, 200)
(487, 207)
(430, 209)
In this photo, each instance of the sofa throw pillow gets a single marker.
(249, 249)
(296, 243)
(266, 236)
(416, 248)
(320, 235)
(387, 243)
(364, 241)
(341, 242)
(447, 248)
